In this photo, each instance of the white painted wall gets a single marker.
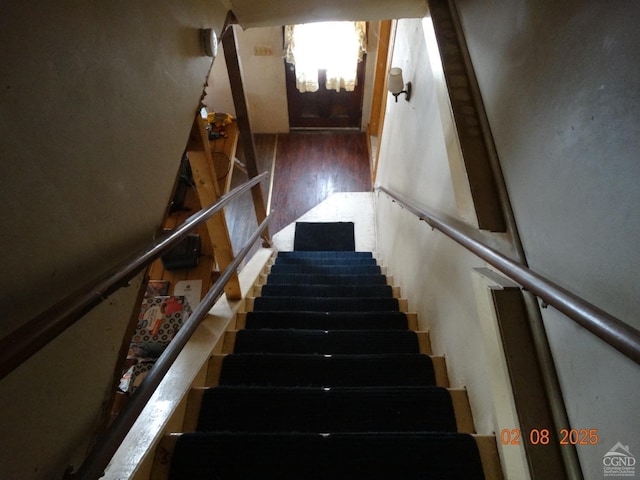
(96, 104)
(560, 84)
(264, 81)
(433, 272)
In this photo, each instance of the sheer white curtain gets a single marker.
(336, 47)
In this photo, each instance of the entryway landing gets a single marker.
(356, 207)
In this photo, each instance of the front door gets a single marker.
(324, 108)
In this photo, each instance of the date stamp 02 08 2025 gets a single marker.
(542, 436)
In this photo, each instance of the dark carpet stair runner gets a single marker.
(327, 381)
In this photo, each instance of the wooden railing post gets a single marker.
(230, 47)
(206, 182)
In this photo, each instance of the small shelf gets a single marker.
(223, 151)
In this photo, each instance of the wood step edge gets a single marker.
(489, 456)
(412, 321)
(462, 410)
(192, 410)
(486, 444)
(241, 321)
(229, 342)
(440, 370)
(424, 342)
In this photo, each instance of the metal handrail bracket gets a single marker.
(620, 335)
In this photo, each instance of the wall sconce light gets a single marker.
(396, 84)
(209, 42)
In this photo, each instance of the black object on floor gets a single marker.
(334, 236)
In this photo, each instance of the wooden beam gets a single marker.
(380, 83)
(531, 401)
(385, 56)
(468, 110)
(206, 182)
(234, 69)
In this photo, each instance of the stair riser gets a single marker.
(323, 321)
(229, 456)
(324, 342)
(318, 373)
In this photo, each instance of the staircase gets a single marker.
(326, 377)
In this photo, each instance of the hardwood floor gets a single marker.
(309, 168)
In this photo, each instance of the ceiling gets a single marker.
(259, 13)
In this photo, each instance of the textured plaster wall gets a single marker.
(96, 103)
(560, 85)
(432, 271)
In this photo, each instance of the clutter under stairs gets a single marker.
(326, 377)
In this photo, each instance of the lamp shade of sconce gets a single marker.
(396, 84)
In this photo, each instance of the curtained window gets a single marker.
(336, 47)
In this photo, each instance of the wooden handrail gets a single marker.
(29, 338)
(106, 446)
(620, 335)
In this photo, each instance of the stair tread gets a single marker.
(207, 455)
(323, 254)
(325, 261)
(324, 279)
(304, 409)
(327, 381)
(327, 320)
(326, 341)
(326, 304)
(328, 269)
(327, 291)
(327, 370)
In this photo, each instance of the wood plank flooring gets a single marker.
(309, 168)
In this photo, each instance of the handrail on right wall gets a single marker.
(620, 335)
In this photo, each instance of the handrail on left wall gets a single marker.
(29, 338)
(108, 443)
